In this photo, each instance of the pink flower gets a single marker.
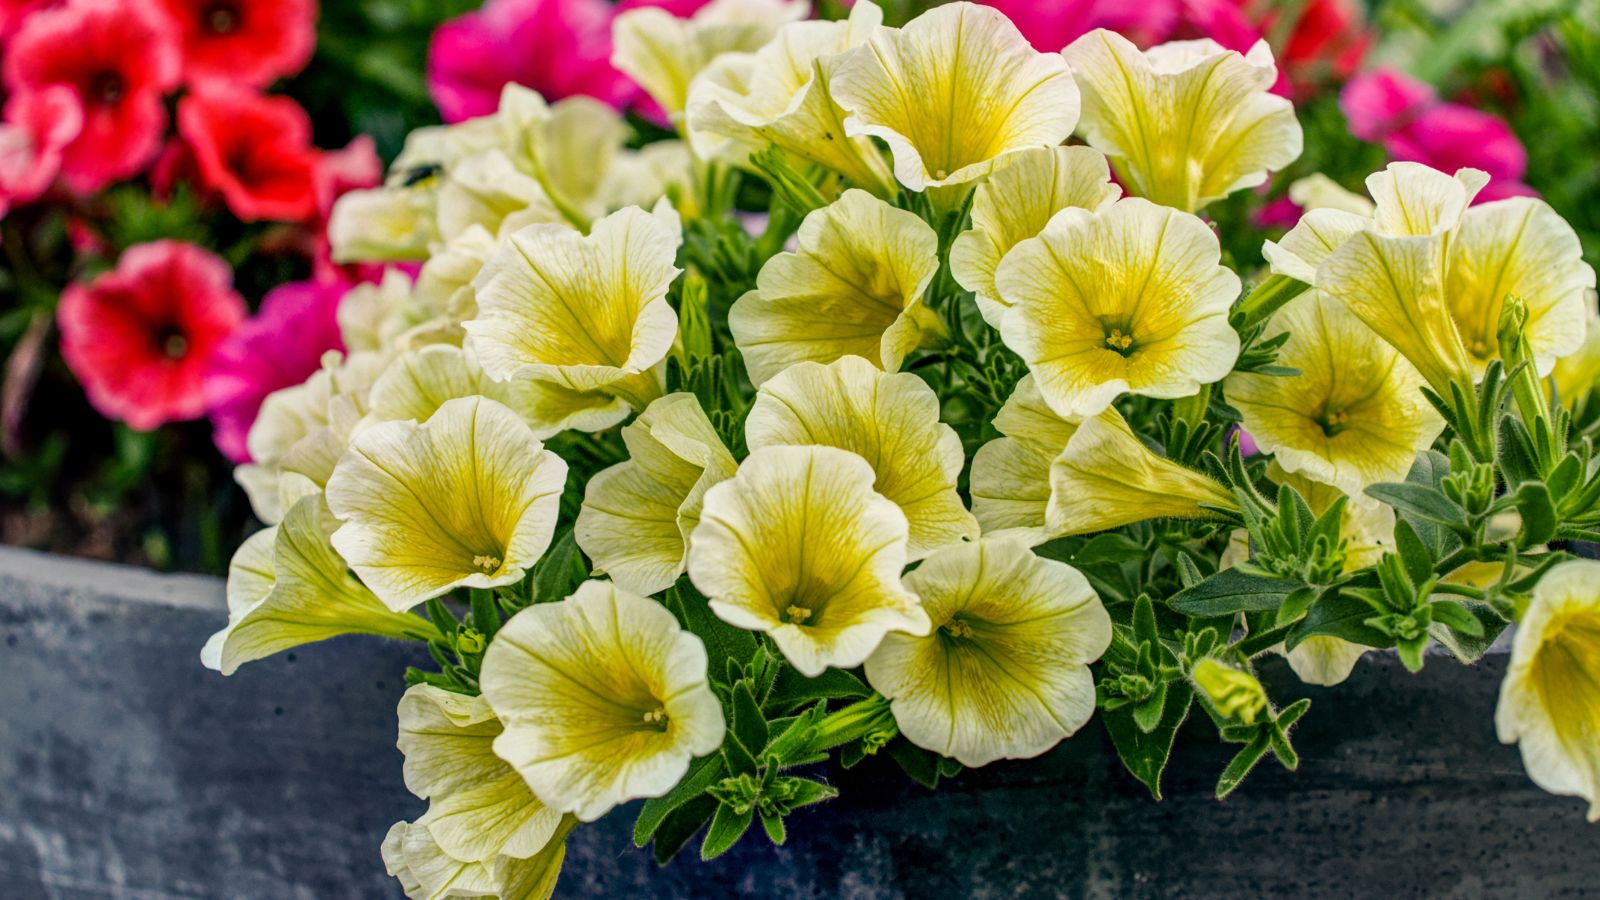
(280, 346)
(38, 126)
(1051, 26)
(1408, 119)
(13, 12)
(120, 58)
(557, 47)
(243, 42)
(139, 337)
(254, 150)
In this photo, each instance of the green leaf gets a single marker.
(1147, 715)
(727, 826)
(1416, 501)
(1340, 615)
(1243, 762)
(1232, 591)
(1539, 517)
(723, 641)
(1145, 753)
(1411, 653)
(1111, 547)
(1295, 605)
(561, 570)
(749, 725)
(680, 825)
(920, 764)
(1414, 554)
(1465, 647)
(792, 690)
(703, 773)
(804, 791)
(773, 826)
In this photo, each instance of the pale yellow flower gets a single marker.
(381, 224)
(891, 421)
(664, 53)
(1129, 299)
(1574, 376)
(1106, 478)
(587, 314)
(799, 545)
(637, 516)
(484, 829)
(1186, 122)
(467, 499)
(1353, 417)
(1004, 674)
(953, 93)
(780, 95)
(287, 587)
(417, 383)
(1318, 191)
(1550, 698)
(382, 318)
(1015, 204)
(488, 191)
(853, 288)
(603, 697)
(1011, 474)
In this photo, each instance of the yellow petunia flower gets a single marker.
(799, 545)
(467, 499)
(603, 697)
(1129, 299)
(638, 515)
(953, 93)
(484, 833)
(585, 314)
(1107, 478)
(1004, 674)
(891, 421)
(287, 587)
(853, 288)
(780, 95)
(1015, 204)
(1550, 698)
(1353, 417)
(381, 225)
(1186, 122)
(1574, 376)
(1011, 474)
(664, 53)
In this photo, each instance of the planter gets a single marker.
(127, 770)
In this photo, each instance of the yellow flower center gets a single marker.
(1120, 341)
(958, 628)
(486, 563)
(797, 615)
(1333, 421)
(656, 717)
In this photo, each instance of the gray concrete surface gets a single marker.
(127, 770)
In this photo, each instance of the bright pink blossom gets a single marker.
(254, 150)
(1408, 119)
(280, 346)
(120, 58)
(139, 338)
(38, 126)
(13, 12)
(243, 42)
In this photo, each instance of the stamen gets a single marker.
(797, 615)
(958, 628)
(486, 563)
(657, 716)
(1119, 341)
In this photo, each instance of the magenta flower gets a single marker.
(281, 345)
(1051, 26)
(1406, 117)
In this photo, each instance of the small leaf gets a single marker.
(723, 641)
(727, 826)
(749, 725)
(680, 825)
(791, 689)
(773, 826)
(1414, 554)
(1111, 547)
(1232, 591)
(1243, 762)
(561, 570)
(703, 773)
(1340, 614)
(921, 765)
(1147, 715)
(1464, 646)
(1539, 517)
(1145, 754)
(1295, 605)
(1424, 503)
(804, 791)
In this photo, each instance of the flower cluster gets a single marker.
(930, 458)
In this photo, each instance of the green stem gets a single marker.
(1268, 297)
(858, 720)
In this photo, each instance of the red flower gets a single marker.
(243, 42)
(120, 59)
(139, 337)
(256, 151)
(38, 124)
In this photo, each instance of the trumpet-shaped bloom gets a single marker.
(1130, 299)
(1354, 416)
(854, 288)
(468, 498)
(287, 587)
(484, 833)
(417, 383)
(1106, 478)
(1550, 698)
(891, 421)
(664, 53)
(781, 95)
(381, 224)
(953, 93)
(1431, 276)
(1184, 123)
(588, 314)
(638, 515)
(1004, 674)
(798, 545)
(1015, 204)
(1011, 474)
(604, 699)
